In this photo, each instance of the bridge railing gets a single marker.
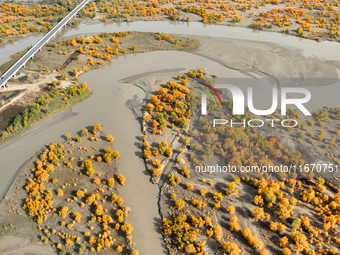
(38, 45)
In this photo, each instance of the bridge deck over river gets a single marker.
(31, 52)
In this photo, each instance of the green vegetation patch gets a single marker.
(54, 100)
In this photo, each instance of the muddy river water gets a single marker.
(107, 106)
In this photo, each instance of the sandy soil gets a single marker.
(11, 245)
(106, 107)
(117, 120)
(16, 223)
(266, 59)
(27, 88)
(21, 95)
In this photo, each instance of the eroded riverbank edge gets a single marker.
(195, 61)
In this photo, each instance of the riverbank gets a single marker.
(116, 117)
(83, 58)
(53, 200)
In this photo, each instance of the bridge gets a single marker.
(31, 52)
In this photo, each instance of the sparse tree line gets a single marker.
(54, 99)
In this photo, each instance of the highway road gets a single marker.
(30, 54)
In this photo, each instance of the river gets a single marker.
(119, 121)
(327, 50)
